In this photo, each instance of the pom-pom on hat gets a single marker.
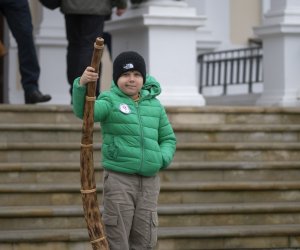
(127, 61)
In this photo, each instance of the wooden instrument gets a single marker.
(88, 185)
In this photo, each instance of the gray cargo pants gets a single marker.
(130, 210)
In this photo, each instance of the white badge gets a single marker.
(124, 108)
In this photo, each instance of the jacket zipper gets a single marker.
(142, 135)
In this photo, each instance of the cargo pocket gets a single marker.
(154, 227)
(110, 220)
(111, 228)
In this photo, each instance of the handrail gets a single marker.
(231, 67)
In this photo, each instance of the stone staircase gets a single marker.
(234, 183)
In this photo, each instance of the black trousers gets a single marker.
(81, 32)
(18, 17)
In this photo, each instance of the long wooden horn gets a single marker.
(88, 185)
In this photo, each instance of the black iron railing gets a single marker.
(231, 67)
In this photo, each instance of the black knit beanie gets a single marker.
(127, 61)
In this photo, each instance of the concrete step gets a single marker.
(251, 152)
(53, 172)
(179, 238)
(194, 133)
(24, 114)
(170, 215)
(41, 132)
(231, 171)
(236, 189)
(178, 115)
(182, 192)
(66, 152)
(233, 115)
(264, 237)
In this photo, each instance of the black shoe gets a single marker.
(36, 96)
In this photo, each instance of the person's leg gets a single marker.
(107, 39)
(118, 203)
(17, 14)
(143, 235)
(73, 37)
(81, 32)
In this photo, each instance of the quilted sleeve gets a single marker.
(78, 98)
(167, 139)
(102, 105)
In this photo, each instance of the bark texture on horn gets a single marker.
(88, 185)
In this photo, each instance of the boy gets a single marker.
(138, 141)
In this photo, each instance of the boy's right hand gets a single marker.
(89, 75)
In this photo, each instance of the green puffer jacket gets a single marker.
(91, 7)
(137, 136)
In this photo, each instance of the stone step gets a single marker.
(24, 114)
(179, 193)
(66, 152)
(233, 171)
(192, 136)
(187, 238)
(237, 189)
(53, 172)
(237, 133)
(171, 215)
(263, 237)
(178, 115)
(262, 151)
(41, 132)
(233, 115)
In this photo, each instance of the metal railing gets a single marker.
(231, 67)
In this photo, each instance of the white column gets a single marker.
(51, 43)
(214, 34)
(13, 90)
(281, 43)
(164, 32)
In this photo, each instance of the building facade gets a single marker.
(170, 34)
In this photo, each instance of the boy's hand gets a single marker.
(89, 75)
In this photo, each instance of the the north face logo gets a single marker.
(128, 66)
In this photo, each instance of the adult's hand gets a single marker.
(120, 12)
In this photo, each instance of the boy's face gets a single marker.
(131, 83)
